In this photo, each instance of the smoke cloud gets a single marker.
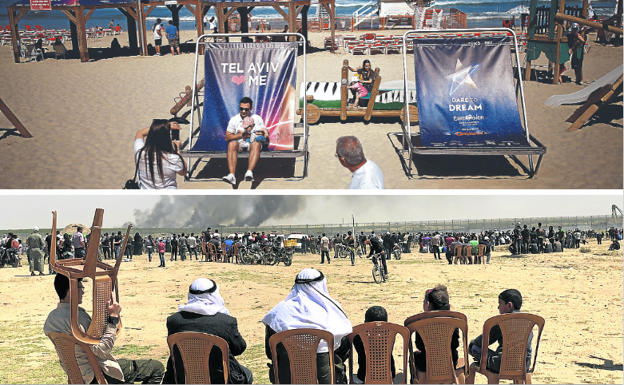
(200, 211)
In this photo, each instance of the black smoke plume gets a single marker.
(200, 211)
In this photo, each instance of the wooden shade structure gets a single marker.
(78, 12)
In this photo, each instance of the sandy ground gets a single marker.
(84, 116)
(579, 295)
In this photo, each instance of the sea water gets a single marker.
(480, 13)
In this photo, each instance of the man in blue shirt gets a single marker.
(173, 36)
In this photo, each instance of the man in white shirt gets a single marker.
(366, 174)
(244, 131)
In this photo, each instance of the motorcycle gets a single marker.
(285, 255)
(9, 257)
(253, 256)
(396, 251)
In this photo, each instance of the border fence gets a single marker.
(595, 222)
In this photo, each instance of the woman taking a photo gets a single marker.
(158, 156)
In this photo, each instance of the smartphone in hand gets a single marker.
(175, 130)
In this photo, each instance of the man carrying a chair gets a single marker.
(115, 371)
(244, 131)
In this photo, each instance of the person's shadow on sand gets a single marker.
(607, 365)
(266, 168)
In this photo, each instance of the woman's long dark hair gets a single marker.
(157, 142)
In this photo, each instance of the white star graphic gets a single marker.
(462, 76)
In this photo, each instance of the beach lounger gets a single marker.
(267, 74)
(468, 104)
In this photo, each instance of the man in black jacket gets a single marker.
(205, 312)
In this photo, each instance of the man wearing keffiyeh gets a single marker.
(205, 312)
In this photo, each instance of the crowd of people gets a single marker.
(309, 305)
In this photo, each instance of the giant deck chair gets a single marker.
(104, 279)
(265, 72)
(468, 103)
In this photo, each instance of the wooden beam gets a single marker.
(220, 21)
(14, 120)
(591, 107)
(89, 13)
(373, 96)
(298, 10)
(20, 14)
(130, 12)
(149, 10)
(14, 34)
(304, 22)
(281, 12)
(70, 16)
(199, 17)
(190, 8)
(588, 23)
(229, 13)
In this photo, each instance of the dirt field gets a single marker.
(579, 295)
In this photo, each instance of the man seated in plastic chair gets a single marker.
(116, 371)
(245, 131)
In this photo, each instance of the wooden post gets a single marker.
(332, 20)
(344, 83)
(559, 31)
(73, 30)
(142, 30)
(13, 119)
(292, 19)
(132, 30)
(244, 17)
(82, 35)
(14, 34)
(585, 5)
(304, 21)
(373, 96)
(220, 22)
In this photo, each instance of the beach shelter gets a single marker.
(470, 100)
(78, 12)
(266, 73)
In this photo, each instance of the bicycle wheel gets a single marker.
(377, 275)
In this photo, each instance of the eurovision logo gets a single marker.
(461, 76)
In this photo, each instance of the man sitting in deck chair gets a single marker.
(115, 371)
(244, 131)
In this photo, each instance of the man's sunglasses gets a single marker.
(243, 109)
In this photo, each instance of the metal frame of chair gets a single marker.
(195, 349)
(301, 346)
(65, 348)
(436, 329)
(104, 279)
(378, 339)
(515, 328)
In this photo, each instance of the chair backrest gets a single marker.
(437, 334)
(434, 314)
(482, 248)
(515, 328)
(466, 251)
(195, 350)
(378, 340)
(301, 346)
(65, 346)
(212, 250)
(104, 279)
(458, 251)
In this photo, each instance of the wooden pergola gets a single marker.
(78, 12)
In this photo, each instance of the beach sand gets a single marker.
(578, 294)
(83, 117)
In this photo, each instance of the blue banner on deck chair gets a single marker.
(466, 93)
(266, 73)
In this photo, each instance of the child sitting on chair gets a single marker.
(509, 301)
(374, 313)
(256, 133)
(435, 299)
(360, 90)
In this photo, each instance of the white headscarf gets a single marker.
(309, 305)
(203, 301)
